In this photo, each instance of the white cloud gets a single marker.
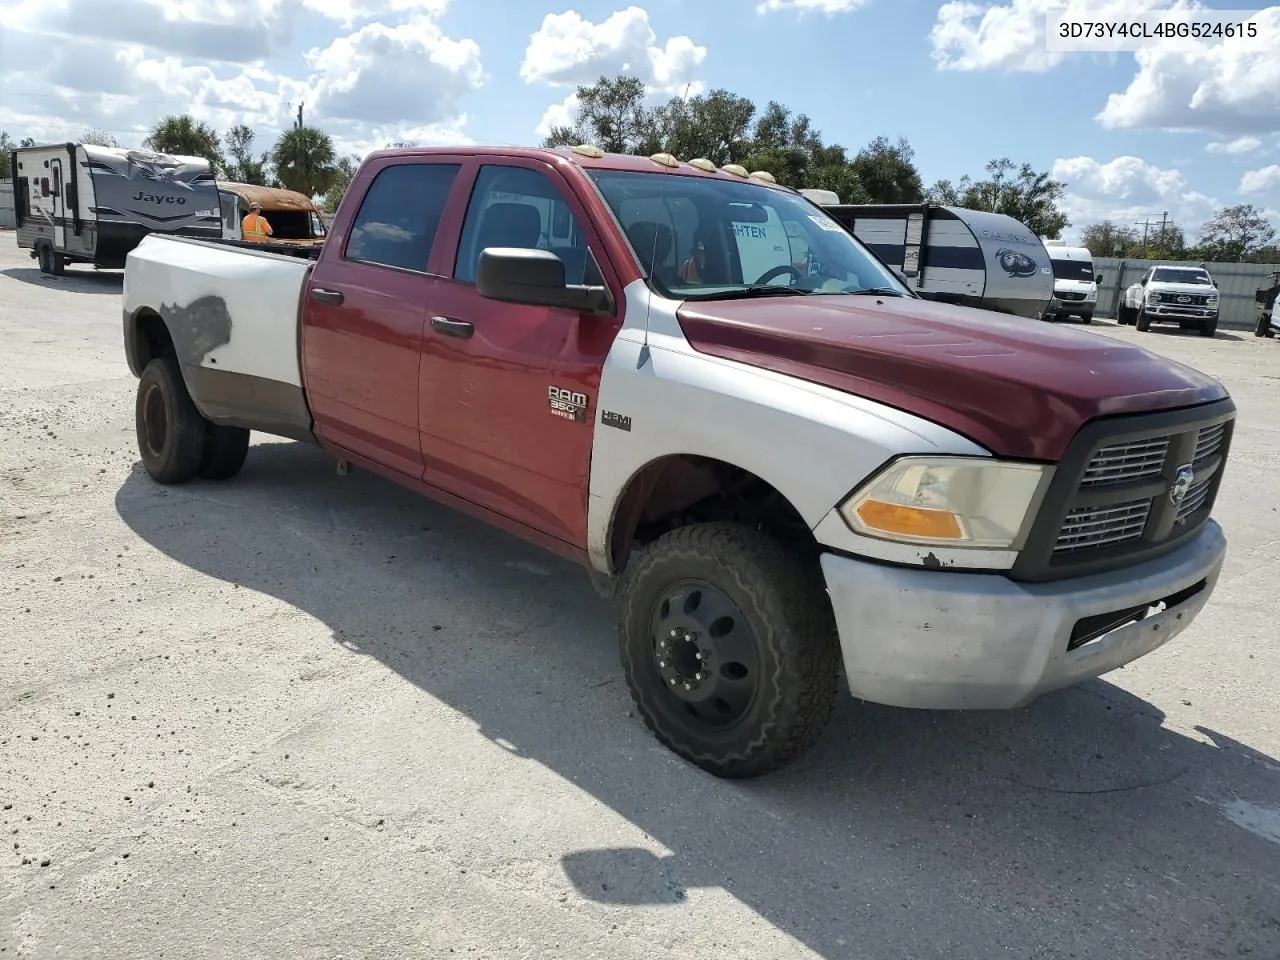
(1129, 189)
(1264, 180)
(1234, 147)
(411, 73)
(829, 7)
(1187, 85)
(381, 83)
(567, 50)
(1011, 36)
(349, 12)
(558, 115)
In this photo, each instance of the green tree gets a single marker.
(1107, 239)
(186, 136)
(305, 161)
(612, 115)
(6, 147)
(945, 192)
(1020, 192)
(888, 173)
(716, 126)
(243, 166)
(346, 171)
(1234, 233)
(99, 137)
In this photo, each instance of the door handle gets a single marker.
(451, 327)
(326, 296)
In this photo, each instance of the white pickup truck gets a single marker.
(703, 389)
(1183, 295)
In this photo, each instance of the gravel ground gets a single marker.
(307, 716)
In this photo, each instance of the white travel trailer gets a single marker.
(83, 203)
(953, 254)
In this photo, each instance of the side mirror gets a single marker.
(1097, 278)
(535, 278)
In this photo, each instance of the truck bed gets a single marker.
(232, 314)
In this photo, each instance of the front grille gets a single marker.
(1126, 462)
(1183, 299)
(1069, 295)
(1209, 441)
(1095, 526)
(1128, 489)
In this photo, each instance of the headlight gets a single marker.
(1091, 295)
(964, 502)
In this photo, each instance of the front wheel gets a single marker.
(1210, 328)
(729, 647)
(1143, 322)
(1086, 318)
(171, 431)
(1263, 327)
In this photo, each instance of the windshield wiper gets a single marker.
(877, 292)
(747, 293)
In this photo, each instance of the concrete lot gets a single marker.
(305, 716)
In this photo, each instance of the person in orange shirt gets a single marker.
(255, 226)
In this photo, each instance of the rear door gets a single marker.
(508, 391)
(59, 205)
(365, 307)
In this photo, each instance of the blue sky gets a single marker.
(1185, 127)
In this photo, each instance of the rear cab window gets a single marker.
(400, 214)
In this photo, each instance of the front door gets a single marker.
(364, 313)
(59, 207)
(501, 383)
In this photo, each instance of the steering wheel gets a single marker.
(777, 272)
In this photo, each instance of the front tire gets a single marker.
(729, 647)
(1086, 318)
(1210, 328)
(1143, 321)
(171, 431)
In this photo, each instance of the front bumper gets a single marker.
(1168, 311)
(1059, 306)
(954, 641)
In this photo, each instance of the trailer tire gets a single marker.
(225, 449)
(171, 431)
(50, 263)
(747, 624)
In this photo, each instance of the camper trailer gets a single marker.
(951, 254)
(82, 203)
(296, 224)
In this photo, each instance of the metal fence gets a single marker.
(7, 218)
(1237, 284)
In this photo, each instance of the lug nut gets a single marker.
(688, 686)
(674, 633)
(673, 681)
(698, 676)
(662, 664)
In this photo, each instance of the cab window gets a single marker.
(397, 220)
(521, 207)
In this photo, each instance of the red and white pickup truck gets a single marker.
(701, 387)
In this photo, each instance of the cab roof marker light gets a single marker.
(702, 163)
(665, 159)
(736, 169)
(587, 150)
(764, 175)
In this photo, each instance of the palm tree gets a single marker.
(304, 160)
(186, 136)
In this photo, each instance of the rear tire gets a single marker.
(171, 431)
(225, 449)
(746, 623)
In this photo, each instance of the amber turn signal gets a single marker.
(894, 518)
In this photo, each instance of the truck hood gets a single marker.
(1020, 388)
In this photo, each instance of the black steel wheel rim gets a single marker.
(155, 422)
(704, 654)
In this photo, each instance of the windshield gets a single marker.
(1175, 275)
(703, 239)
(1081, 270)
